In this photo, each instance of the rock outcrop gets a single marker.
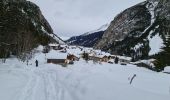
(132, 31)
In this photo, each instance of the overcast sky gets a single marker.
(75, 17)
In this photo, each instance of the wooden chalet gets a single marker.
(105, 59)
(57, 61)
(95, 59)
(72, 57)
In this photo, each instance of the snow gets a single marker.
(22, 10)
(58, 39)
(35, 24)
(102, 28)
(81, 81)
(53, 44)
(148, 62)
(43, 29)
(53, 35)
(155, 44)
(151, 7)
(64, 38)
(139, 45)
(167, 69)
(125, 58)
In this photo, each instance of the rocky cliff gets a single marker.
(22, 27)
(135, 31)
(130, 23)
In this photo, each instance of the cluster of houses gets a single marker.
(91, 55)
(108, 59)
(70, 58)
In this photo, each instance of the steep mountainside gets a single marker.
(134, 31)
(127, 26)
(88, 39)
(22, 27)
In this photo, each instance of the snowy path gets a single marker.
(81, 81)
(43, 85)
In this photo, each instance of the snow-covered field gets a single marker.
(81, 81)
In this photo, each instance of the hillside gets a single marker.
(22, 28)
(88, 39)
(141, 32)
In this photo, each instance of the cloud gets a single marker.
(74, 17)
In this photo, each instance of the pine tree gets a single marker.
(166, 50)
(162, 59)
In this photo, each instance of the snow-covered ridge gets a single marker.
(88, 39)
(102, 28)
(64, 38)
(58, 39)
(54, 36)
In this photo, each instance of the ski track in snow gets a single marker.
(29, 88)
(49, 84)
(48, 80)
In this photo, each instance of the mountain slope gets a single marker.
(88, 39)
(22, 27)
(135, 31)
(128, 25)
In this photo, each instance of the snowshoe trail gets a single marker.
(44, 85)
(29, 88)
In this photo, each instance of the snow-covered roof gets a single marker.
(167, 69)
(53, 44)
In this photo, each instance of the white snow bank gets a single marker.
(147, 62)
(167, 69)
(155, 44)
(125, 58)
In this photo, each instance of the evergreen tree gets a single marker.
(162, 59)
